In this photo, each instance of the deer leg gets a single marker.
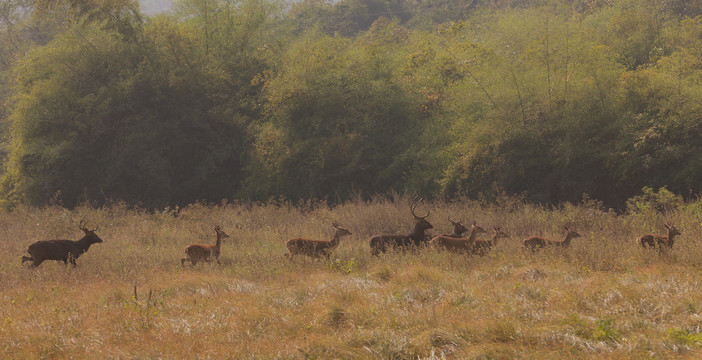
(37, 262)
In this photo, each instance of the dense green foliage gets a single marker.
(256, 99)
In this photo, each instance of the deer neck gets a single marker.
(473, 234)
(218, 244)
(671, 235)
(336, 239)
(568, 239)
(418, 233)
(494, 238)
(84, 243)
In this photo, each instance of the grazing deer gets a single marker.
(659, 241)
(482, 247)
(383, 242)
(196, 252)
(63, 250)
(316, 248)
(457, 245)
(536, 242)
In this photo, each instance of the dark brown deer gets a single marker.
(457, 245)
(482, 247)
(536, 242)
(659, 242)
(383, 242)
(316, 248)
(62, 250)
(197, 252)
(458, 229)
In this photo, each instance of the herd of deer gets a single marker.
(69, 250)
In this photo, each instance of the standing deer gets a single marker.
(196, 252)
(659, 241)
(482, 247)
(316, 248)
(536, 242)
(63, 250)
(457, 245)
(383, 242)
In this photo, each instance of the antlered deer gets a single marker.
(383, 242)
(482, 247)
(316, 248)
(659, 241)
(457, 245)
(458, 229)
(536, 242)
(63, 250)
(196, 252)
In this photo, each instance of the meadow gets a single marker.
(130, 298)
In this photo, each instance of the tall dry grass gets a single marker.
(601, 298)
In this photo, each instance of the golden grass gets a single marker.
(602, 298)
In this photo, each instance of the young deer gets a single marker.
(62, 250)
(196, 252)
(457, 245)
(316, 248)
(482, 247)
(383, 242)
(536, 242)
(659, 241)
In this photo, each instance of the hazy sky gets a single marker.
(151, 7)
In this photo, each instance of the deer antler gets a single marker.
(83, 225)
(414, 206)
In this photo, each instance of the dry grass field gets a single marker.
(130, 298)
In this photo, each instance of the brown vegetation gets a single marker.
(603, 299)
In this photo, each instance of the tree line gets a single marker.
(260, 99)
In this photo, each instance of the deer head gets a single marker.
(499, 233)
(672, 230)
(220, 234)
(89, 234)
(458, 228)
(340, 231)
(420, 221)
